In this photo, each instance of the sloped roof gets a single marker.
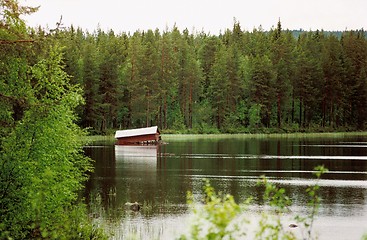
(136, 132)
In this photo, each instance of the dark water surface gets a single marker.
(159, 177)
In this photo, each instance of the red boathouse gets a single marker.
(149, 135)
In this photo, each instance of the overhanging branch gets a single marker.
(16, 41)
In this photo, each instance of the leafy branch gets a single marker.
(218, 216)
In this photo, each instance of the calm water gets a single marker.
(159, 177)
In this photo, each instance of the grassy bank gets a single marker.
(96, 139)
(109, 139)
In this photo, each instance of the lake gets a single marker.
(158, 177)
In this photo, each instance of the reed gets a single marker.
(184, 137)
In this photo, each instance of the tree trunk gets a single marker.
(323, 112)
(148, 110)
(300, 112)
(190, 106)
(279, 110)
(165, 112)
(293, 106)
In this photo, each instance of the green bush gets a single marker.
(215, 219)
(218, 216)
(42, 166)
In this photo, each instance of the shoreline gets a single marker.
(171, 136)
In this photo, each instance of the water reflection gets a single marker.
(159, 177)
(145, 154)
(136, 168)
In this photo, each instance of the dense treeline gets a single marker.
(236, 82)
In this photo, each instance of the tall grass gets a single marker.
(99, 140)
(183, 137)
(110, 139)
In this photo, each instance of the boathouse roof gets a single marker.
(136, 132)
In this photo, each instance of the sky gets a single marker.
(210, 16)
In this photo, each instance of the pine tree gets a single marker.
(333, 72)
(355, 58)
(282, 58)
(167, 78)
(149, 77)
(219, 87)
(112, 56)
(309, 78)
(92, 109)
(260, 84)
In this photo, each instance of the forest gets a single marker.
(239, 81)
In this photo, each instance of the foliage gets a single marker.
(270, 226)
(216, 219)
(220, 217)
(254, 116)
(42, 158)
(42, 166)
(177, 80)
(314, 202)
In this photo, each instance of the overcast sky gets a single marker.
(211, 16)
